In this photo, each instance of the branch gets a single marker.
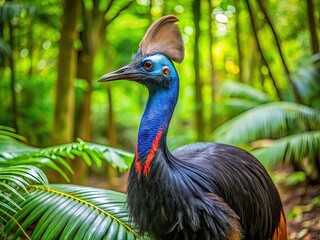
(118, 13)
(284, 63)
(254, 28)
(108, 7)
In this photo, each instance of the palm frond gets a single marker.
(20, 176)
(13, 152)
(116, 157)
(10, 147)
(245, 91)
(294, 147)
(270, 120)
(309, 88)
(15, 181)
(72, 212)
(234, 106)
(20, 164)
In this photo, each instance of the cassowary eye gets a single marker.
(165, 71)
(148, 65)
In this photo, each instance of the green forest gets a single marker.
(250, 78)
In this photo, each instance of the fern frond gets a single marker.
(13, 152)
(271, 120)
(72, 212)
(20, 164)
(234, 106)
(244, 91)
(294, 147)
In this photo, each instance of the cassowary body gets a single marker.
(199, 191)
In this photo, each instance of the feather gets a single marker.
(163, 36)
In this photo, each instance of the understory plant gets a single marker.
(275, 131)
(32, 208)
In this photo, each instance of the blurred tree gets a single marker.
(212, 71)
(291, 129)
(13, 75)
(197, 80)
(19, 26)
(64, 101)
(312, 26)
(279, 48)
(264, 60)
(8, 11)
(237, 4)
(94, 27)
(278, 131)
(10, 14)
(95, 20)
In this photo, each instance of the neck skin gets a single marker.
(156, 118)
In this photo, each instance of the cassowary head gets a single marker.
(152, 65)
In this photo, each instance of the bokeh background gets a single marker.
(250, 77)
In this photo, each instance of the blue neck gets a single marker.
(157, 115)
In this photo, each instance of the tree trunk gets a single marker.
(85, 72)
(254, 30)
(13, 80)
(94, 28)
(313, 29)
(64, 99)
(64, 108)
(93, 32)
(240, 55)
(83, 115)
(197, 81)
(284, 63)
(249, 76)
(212, 68)
(30, 48)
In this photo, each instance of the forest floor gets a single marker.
(301, 202)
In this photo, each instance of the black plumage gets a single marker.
(205, 190)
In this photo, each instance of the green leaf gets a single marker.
(242, 90)
(291, 148)
(117, 158)
(10, 147)
(271, 120)
(295, 178)
(19, 167)
(13, 152)
(14, 181)
(73, 212)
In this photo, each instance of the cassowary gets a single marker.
(199, 191)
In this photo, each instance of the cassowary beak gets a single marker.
(125, 73)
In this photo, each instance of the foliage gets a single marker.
(17, 153)
(237, 98)
(271, 120)
(36, 62)
(295, 178)
(72, 211)
(293, 129)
